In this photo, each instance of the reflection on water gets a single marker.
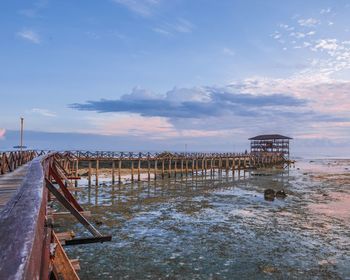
(218, 228)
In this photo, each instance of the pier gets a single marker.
(31, 181)
(166, 164)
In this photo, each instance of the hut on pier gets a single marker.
(273, 143)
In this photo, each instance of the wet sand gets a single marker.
(220, 228)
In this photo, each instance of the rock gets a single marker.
(281, 194)
(269, 269)
(269, 194)
(98, 222)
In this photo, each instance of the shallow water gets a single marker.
(221, 228)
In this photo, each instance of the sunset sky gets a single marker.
(161, 74)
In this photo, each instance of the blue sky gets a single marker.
(157, 74)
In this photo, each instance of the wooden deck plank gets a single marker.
(10, 182)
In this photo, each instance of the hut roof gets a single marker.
(269, 137)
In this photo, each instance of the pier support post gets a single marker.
(89, 173)
(186, 167)
(76, 172)
(113, 172)
(227, 165)
(233, 167)
(119, 170)
(239, 167)
(182, 167)
(132, 170)
(175, 167)
(139, 170)
(169, 168)
(97, 169)
(155, 169)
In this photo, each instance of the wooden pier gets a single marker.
(166, 165)
(29, 246)
(30, 180)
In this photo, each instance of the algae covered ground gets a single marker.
(221, 227)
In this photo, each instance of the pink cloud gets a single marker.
(149, 127)
(2, 132)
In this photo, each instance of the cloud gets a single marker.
(327, 55)
(143, 8)
(43, 112)
(327, 44)
(325, 11)
(171, 28)
(35, 9)
(309, 22)
(2, 133)
(162, 31)
(146, 127)
(192, 103)
(183, 26)
(286, 27)
(303, 106)
(29, 35)
(228, 51)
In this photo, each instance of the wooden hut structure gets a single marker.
(273, 143)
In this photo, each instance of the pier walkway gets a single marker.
(10, 183)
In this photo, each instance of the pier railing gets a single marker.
(9, 161)
(147, 155)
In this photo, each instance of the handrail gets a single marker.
(9, 161)
(22, 229)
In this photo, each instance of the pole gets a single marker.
(21, 142)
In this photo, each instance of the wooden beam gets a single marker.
(72, 209)
(62, 267)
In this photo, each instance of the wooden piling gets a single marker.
(89, 173)
(227, 165)
(113, 172)
(76, 172)
(169, 168)
(132, 170)
(186, 167)
(97, 169)
(139, 171)
(155, 169)
(182, 167)
(119, 171)
(175, 167)
(233, 167)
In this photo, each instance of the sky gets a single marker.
(153, 75)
